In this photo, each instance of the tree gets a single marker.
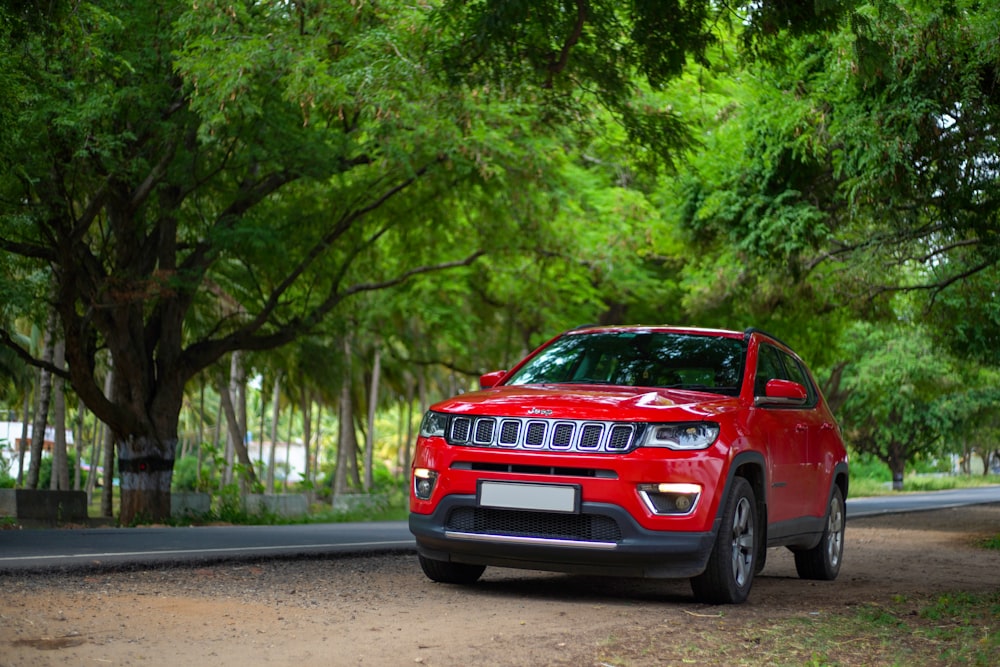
(575, 54)
(974, 415)
(867, 166)
(897, 392)
(167, 160)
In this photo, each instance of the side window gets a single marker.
(798, 374)
(768, 368)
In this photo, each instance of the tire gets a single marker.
(822, 562)
(446, 572)
(730, 571)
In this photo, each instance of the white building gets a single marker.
(10, 439)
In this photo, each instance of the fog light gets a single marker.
(670, 498)
(423, 483)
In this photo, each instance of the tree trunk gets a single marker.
(78, 440)
(235, 436)
(262, 430)
(275, 414)
(319, 441)
(408, 444)
(984, 455)
(369, 480)
(145, 466)
(401, 416)
(288, 445)
(23, 445)
(347, 446)
(346, 440)
(42, 409)
(307, 439)
(897, 464)
(146, 452)
(217, 434)
(240, 398)
(201, 433)
(95, 456)
(107, 491)
(60, 459)
(227, 389)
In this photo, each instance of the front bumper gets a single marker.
(609, 542)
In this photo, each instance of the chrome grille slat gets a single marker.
(532, 433)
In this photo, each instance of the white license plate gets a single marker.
(543, 497)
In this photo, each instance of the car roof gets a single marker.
(656, 328)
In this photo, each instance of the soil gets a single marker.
(381, 610)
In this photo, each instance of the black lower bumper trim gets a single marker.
(638, 552)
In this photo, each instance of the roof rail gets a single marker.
(752, 330)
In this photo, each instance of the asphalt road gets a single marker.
(97, 547)
(915, 502)
(86, 548)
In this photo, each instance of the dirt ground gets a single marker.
(381, 610)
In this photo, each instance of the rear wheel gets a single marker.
(823, 560)
(730, 571)
(446, 572)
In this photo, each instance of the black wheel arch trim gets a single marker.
(759, 484)
(840, 472)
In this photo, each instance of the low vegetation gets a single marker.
(949, 629)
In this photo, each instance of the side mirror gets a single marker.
(491, 379)
(782, 392)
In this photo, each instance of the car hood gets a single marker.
(562, 401)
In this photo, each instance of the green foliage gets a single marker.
(234, 176)
(187, 478)
(854, 165)
(603, 52)
(6, 480)
(894, 409)
(45, 471)
(228, 507)
(968, 317)
(865, 466)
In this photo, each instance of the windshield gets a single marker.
(639, 359)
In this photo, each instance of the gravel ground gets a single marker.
(381, 610)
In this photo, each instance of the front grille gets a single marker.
(549, 525)
(557, 435)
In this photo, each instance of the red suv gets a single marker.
(643, 451)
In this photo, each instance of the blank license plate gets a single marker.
(544, 497)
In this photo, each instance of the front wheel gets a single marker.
(446, 572)
(823, 560)
(730, 571)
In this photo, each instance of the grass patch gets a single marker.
(390, 505)
(866, 486)
(229, 508)
(992, 543)
(954, 629)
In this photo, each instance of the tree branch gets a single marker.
(559, 64)
(8, 341)
(200, 354)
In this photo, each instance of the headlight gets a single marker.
(699, 435)
(433, 425)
